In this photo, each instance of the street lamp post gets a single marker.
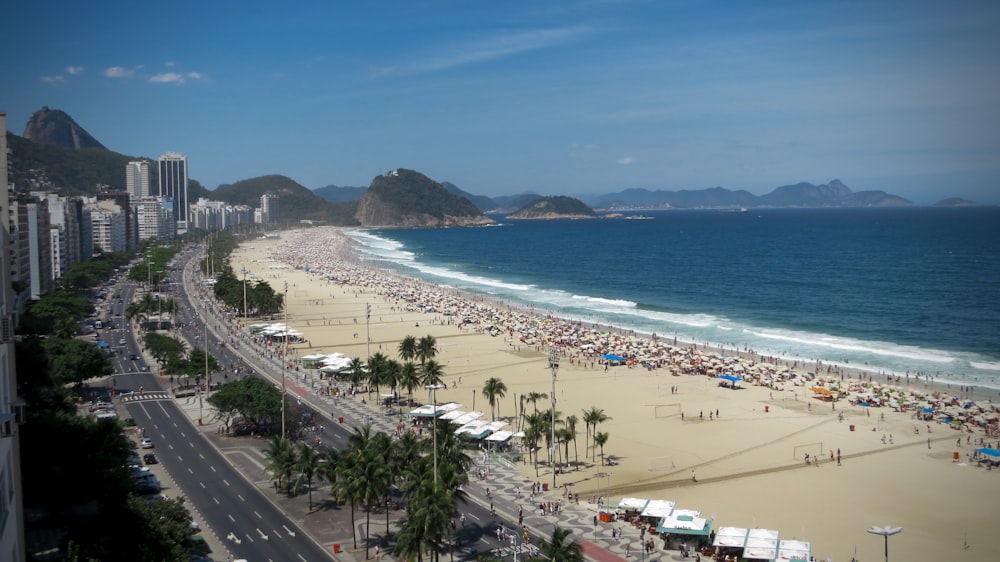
(284, 358)
(554, 365)
(885, 532)
(245, 313)
(433, 388)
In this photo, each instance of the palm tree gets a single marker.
(329, 466)
(571, 421)
(349, 482)
(409, 378)
(557, 549)
(600, 438)
(281, 459)
(377, 364)
(375, 478)
(534, 397)
(308, 464)
(492, 390)
(356, 372)
(407, 348)
(564, 436)
(593, 417)
(426, 348)
(432, 372)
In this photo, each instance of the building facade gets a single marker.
(173, 183)
(154, 218)
(137, 179)
(268, 208)
(12, 544)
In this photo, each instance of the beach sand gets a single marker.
(748, 461)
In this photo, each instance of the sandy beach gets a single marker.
(746, 446)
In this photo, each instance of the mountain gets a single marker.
(482, 202)
(512, 203)
(955, 202)
(339, 194)
(833, 194)
(405, 198)
(72, 171)
(295, 201)
(56, 127)
(557, 207)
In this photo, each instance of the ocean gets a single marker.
(897, 290)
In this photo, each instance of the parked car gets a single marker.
(146, 443)
(150, 458)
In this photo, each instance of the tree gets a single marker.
(593, 417)
(492, 390)
(426, 348)
(600, 438)
(308, 465)
(74, 361)
(252, 398)
(56, 314)
(281, 460)
(571, 422)
(432, 372)
(559, 548)
(164, 349)
(408, 348)
(534, 397)
(409, 378)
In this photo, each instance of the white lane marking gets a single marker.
(202, 485)
(231, 518)
(258, 515)
(241, 497)
(289, 531)
(262, 535)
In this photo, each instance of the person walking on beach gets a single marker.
(694, 478)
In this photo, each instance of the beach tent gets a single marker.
(794, 550)
(632, 504)
(989, 452)
(466, 418)
(613, 357)
(762, 544)
(731, 378)
(735, 537)
(500, 436)
(685, 522)
(657, 508)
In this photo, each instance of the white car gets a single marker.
(146, 443)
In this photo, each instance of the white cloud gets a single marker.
(170, 64)
(626, 161)
(74, 70)
(117, 72)
(175, 78)
(490, 48)
(53, 80)
(167, 78)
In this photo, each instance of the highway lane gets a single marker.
(250, 525)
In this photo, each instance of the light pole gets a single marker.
(245, 313)
(554, 365)
(284, 357)
(368, 327)
(433, 388)
(885, 532)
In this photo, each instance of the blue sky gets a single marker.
(565, 98)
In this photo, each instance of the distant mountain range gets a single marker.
(56, 153)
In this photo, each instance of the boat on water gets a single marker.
(740, 210)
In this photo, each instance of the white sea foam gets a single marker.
(985, 365)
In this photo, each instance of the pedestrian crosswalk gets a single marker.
(145, 396)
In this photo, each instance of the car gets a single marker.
(150, 458)
(134, 357)
(146, 443)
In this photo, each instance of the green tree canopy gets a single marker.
(73, 360)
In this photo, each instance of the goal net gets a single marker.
(666, 410)
(660, 464)
(814, 449)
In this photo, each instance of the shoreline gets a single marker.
(754, 436)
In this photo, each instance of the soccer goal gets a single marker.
(814, 449)
(661, 464)
(666, 410)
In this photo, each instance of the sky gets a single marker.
(562, 97)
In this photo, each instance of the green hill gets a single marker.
(410, 199)
(295, 201)
(554, 207)
(72, 171)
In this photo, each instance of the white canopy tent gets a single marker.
(658, 508)
(635, 504)
(794, 550)
(731, 537)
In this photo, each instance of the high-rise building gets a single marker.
(269, 208)
(155, 218)
(137, 179)
(174, 184)
(11, 409)
(108, 228)
(124, 201)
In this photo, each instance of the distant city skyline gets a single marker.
(562, 97)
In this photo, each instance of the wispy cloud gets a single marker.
(626, 161)
(487, 49)
(75, 70)
(118, 72)
(175, 78)
(53, 80)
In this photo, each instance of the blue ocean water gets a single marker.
(891, 290)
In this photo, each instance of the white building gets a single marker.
(268, 208)
(154, 218)
(108, 229)
(137, 180)
(12, 543)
